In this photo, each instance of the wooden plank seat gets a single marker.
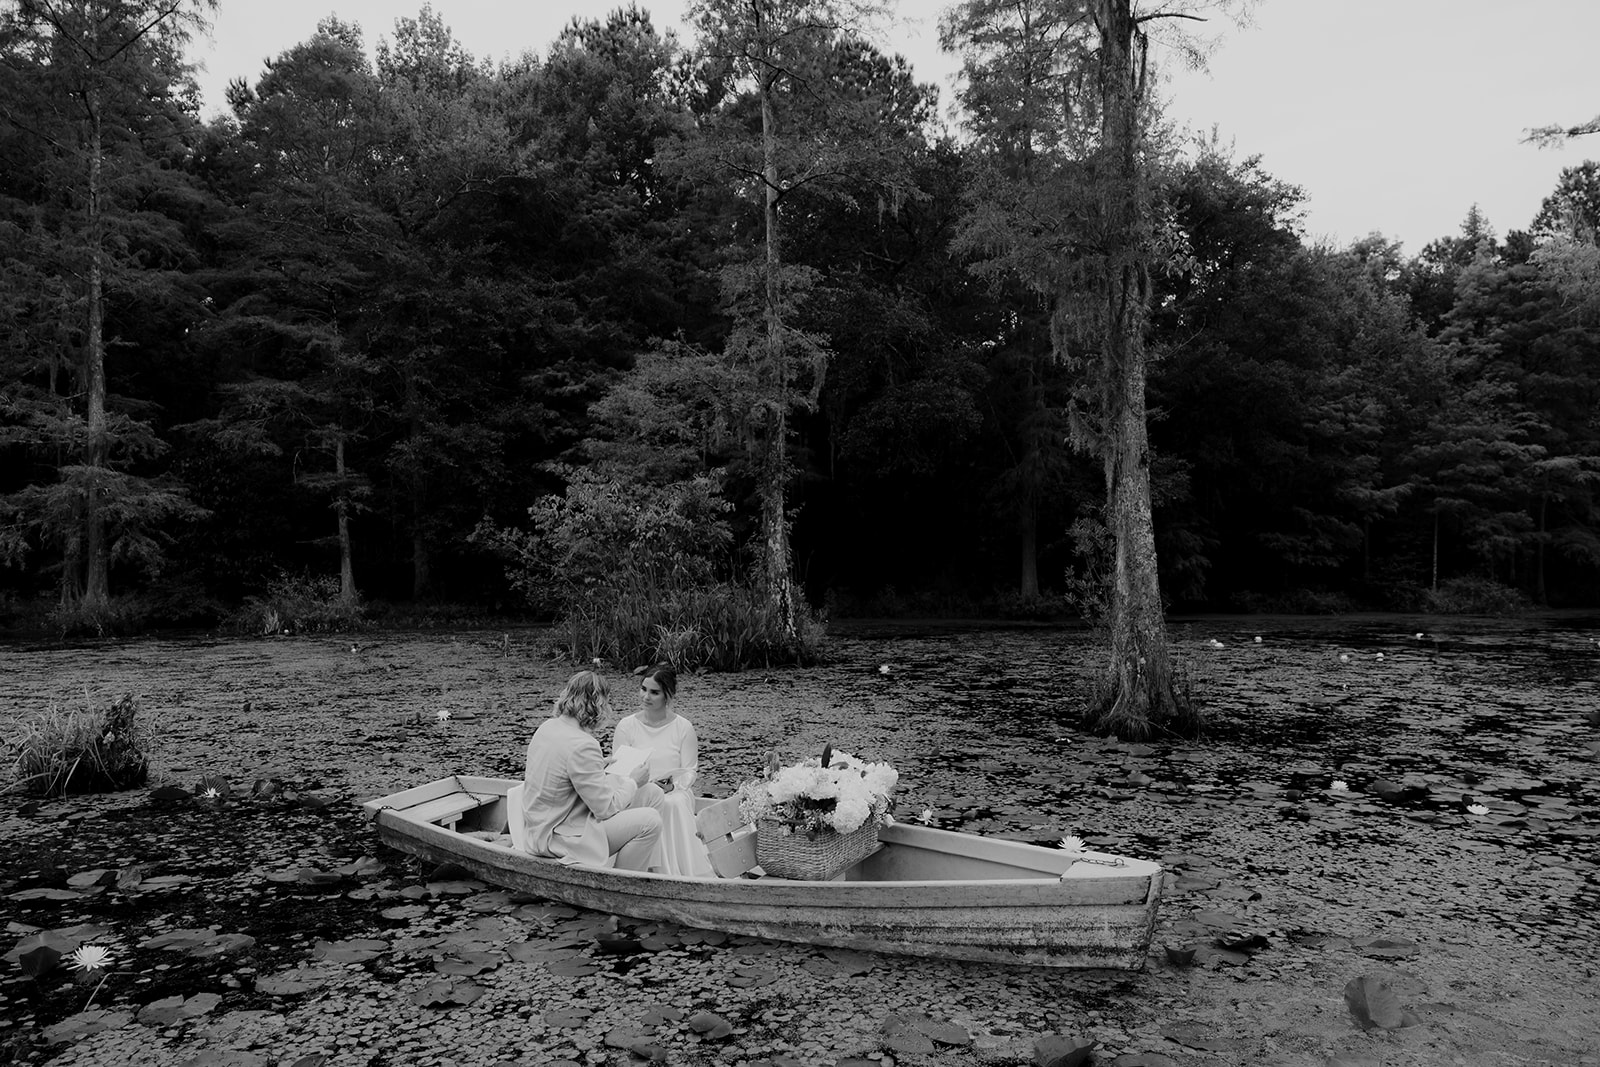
(445, 811)
(729, 840)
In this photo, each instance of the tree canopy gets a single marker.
(403, 316)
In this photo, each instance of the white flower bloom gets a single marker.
(1344, 657)
(211, 793)
(1340, 786)
(442, 714)
(1478, 809)
(926, 818)
(89, 957)
(850, 812)
(883, 668)
(1073, 843)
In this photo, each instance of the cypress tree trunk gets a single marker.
(97, 550)
(347, 573)
(1434, 581)
(1136, 692)
(421, 556)
(775, 423)
(1539, 592)
(1028, 523)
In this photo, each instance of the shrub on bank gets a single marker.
(81, 750)
(1294, 602)
(298, 603)
(1476, 596)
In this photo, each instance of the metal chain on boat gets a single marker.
(1109, 861)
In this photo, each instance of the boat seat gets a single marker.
(445, 811)
(730, 841)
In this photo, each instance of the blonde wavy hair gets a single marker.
(585, 696)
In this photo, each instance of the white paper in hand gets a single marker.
(627, 758)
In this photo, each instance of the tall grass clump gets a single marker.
(644, 575)
(81, 749)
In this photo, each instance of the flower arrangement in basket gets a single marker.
(819, 816)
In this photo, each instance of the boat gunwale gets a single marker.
(1134, 872)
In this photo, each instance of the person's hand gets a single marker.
(641, 773)
(665, 784)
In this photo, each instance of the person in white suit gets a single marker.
(573, 808)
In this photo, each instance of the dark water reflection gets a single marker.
(1421, 732)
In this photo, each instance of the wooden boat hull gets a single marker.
(926, 892)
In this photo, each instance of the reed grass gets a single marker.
(718, 627)
(80, 749)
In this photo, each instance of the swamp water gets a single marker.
(1420, 812)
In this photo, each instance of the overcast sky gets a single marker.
(1393, 116)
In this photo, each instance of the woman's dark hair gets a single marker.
(665, 676)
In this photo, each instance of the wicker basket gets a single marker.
(813, 859)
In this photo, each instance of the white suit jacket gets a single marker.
(567, 792)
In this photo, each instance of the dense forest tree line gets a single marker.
(729, 313)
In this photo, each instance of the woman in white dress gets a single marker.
(674, 761)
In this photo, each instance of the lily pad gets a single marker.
(85, 1023)
(172, 1009)
(293, 981)
(445, 993)
(467, 964)
(40, 959)
(354, 950)
(1374, 1005)
(1062, 1050)
(46, 893)
(86, 879)
(577, 967)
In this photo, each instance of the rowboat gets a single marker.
(923, 892)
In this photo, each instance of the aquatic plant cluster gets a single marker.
(80, 748)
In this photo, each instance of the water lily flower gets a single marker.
(211, 793)
(1072, 843)
(1258, 639)
(1341, 786)
(883, 668)
(442, 714)
(1344, 657)
(1380, 655)
(1477, 809)
(1419, 635)
(89, 957)
(926, 818)
(1214, 643)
